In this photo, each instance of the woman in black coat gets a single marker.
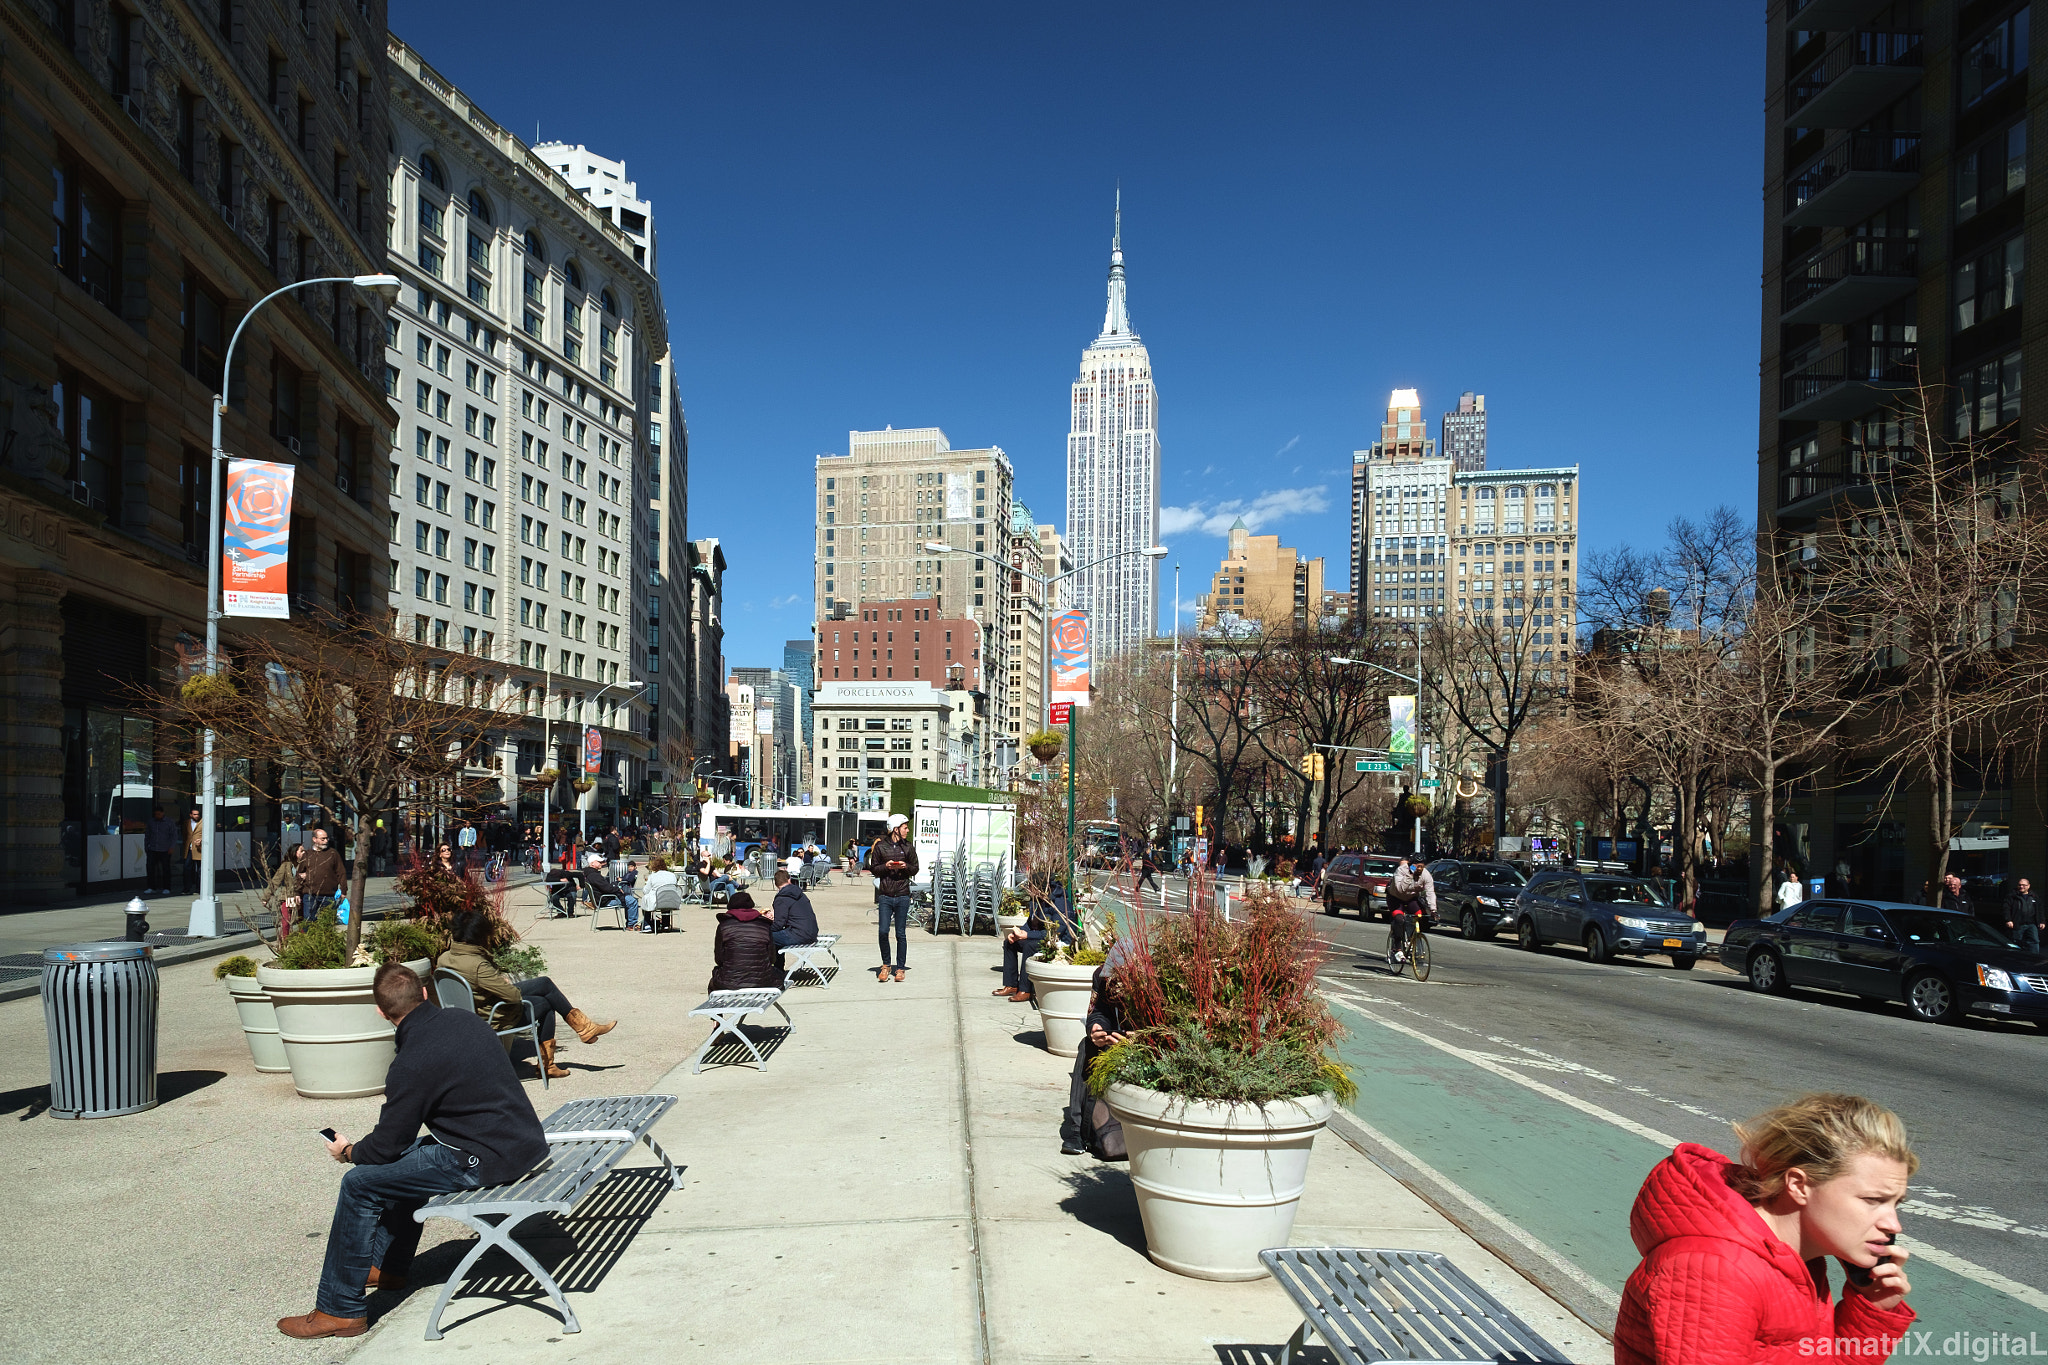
(743, 954)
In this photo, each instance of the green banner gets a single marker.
(1401, 712)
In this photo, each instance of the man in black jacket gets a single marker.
(453, 1075)
(2023, 917)
(795, 921)
(893, 862)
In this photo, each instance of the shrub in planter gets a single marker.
(1045, 745)
(315, 946)
(337, 1044)
(241, 964)
(401, 940)
(1226, 1073)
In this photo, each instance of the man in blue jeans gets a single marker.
(454, 1076)
(893, 862)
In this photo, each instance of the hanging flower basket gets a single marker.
(1045, 745)
(539, 780)
(582, 784)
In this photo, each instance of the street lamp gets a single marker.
(1421, 749)
(205, 918)
(582, 812)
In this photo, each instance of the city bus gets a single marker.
(735, 831)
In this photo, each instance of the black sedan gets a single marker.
(1477, 897)
(1942, 965)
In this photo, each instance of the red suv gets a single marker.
(1358, 880)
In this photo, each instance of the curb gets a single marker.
(1450, 1202)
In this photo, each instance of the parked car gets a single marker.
(1358, 880)
(1941, 964)
(1478, 897)
(1607, 914)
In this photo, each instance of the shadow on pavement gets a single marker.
(31, 1100)
(1031, 1038)
(728, 1051)
(579, 1251)
(1270, 1355)
(1101, 1197)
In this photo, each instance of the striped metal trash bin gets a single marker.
(99, 1005)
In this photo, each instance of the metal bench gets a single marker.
(802, 957)
(452, 991)
(726, 1009)
(586, 1140)
(1371, 1306)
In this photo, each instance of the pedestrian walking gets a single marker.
(1734, 1267)
(160, 842)
(893, 862)
(1789, 893)
(1954, 897)
(2024, 917)
(320, 875)
(465, 839)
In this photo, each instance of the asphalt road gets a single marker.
(1536, 1089)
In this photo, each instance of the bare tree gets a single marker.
(367, 716)
(1487, 675)
(1313, 706)
(1221, 710)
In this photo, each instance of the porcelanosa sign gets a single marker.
(911, 694)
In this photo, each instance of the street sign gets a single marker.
(1374, 765)
(1431, 782)
(1062, 712)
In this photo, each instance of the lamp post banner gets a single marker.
(1401, 715)
(593, 751)
(1069, 651)
(256, 540)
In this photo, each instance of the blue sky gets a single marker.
(878, 214)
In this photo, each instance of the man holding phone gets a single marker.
(452, 1075)
(893, 862)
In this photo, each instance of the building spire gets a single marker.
(1116, 318)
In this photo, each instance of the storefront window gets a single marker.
(109, 786)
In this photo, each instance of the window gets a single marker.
(1993, 59)
(430, 171)
(87, 246)
(441, 588)
(89, 423)
(1991, 283)
(573, 274)
(204, 322)
(419, 583)
(431, 216)
(431, 260)
(1991, 170)
(534, 248)
(470, 506)
(440, 497)
(1987, 395)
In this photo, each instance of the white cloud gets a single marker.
(784, 603)
(1273, 505)
(1292, 442)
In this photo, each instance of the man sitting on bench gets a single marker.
(453, 1075)
(795, 921)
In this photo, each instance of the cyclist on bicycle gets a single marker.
(1411, 895)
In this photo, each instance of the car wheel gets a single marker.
(1683, 961)
(1596, 944)
(1933, 1000)
(1329, 906)
(1468, 924)
(1525, 934)
(1766, 973)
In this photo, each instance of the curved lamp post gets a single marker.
(205, 919)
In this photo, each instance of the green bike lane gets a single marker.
(1567, 1178)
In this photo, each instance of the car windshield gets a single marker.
(1618, 892)
(1493, 876)
(1379, 865)
(1928, 926)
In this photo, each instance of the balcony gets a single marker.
(1859, 73)
(1832, 15)
(1847, 382)
(1855, 176)
(1851, 279)
(1804, 487)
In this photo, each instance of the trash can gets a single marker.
(100, 1008)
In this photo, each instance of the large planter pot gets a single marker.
(1061, 989)
(1217, 1183)
(338, 1046)
(259, 1023)
(1005, 923)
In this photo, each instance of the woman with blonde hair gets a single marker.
(1734, 1269)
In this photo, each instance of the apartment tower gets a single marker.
(1465, 433)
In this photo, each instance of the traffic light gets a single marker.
(1198, 822)
(1312, 767)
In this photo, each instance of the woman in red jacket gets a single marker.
(1734, 1267)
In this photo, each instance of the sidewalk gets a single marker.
(891, 1189)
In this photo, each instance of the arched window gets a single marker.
(430, 171)
(533, 246)
(611, 305)
(575, 275)
(479, 209)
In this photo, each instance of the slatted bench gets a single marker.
(726, 1009)
(802, 957)
(1372, 1306)
(586, 1140)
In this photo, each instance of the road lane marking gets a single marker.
(1968, 1270)
(1601, 1293)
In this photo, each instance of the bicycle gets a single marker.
(494, 868)
(1415, 945)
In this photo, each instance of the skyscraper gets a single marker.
(1113, 475)
(1398, 491)
(1465, 434)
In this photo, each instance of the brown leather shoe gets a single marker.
(882, 973)
(588, 1030)
(547, 1061)
(899, 973)
(318, 1324)
(1022, 997)
(1004, 990)
(391, 1285)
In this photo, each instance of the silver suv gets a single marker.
(1607, 914)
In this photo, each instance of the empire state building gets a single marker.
(1113, 476)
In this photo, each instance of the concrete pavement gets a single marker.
(890, 1188)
